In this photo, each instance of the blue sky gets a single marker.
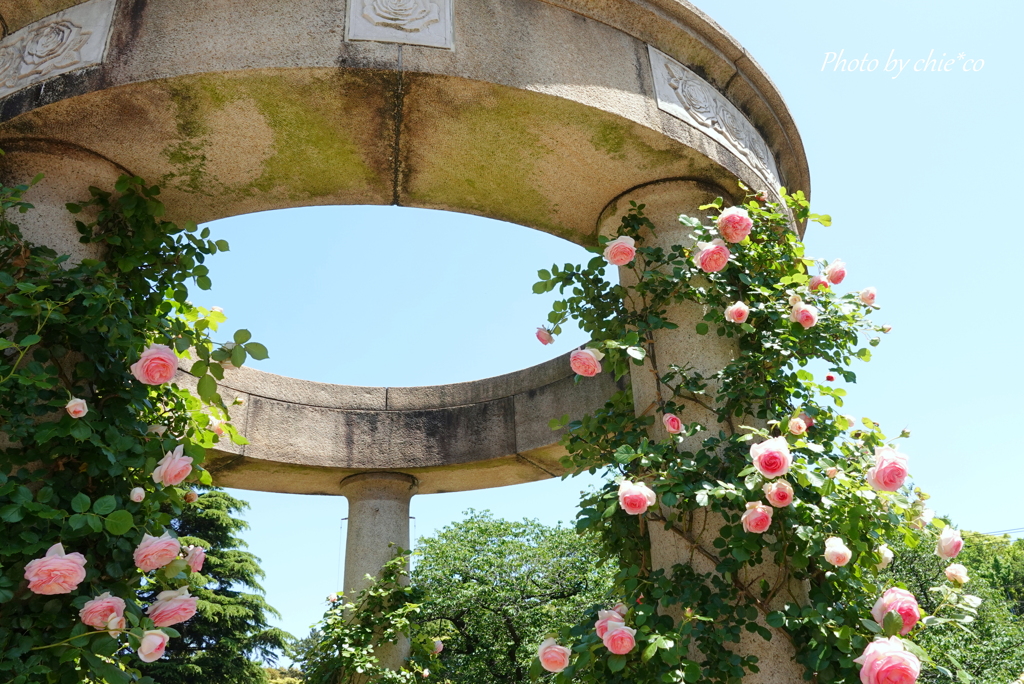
(920, 173)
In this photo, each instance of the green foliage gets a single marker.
(704, 478)
(990, 648)
(230, 628)
(73, 330)
(492, 589)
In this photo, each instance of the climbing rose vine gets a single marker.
(98, 445)
(785, 503)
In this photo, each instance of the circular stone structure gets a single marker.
(552, 114)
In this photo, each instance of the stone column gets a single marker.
(378, 516)
(707, 354)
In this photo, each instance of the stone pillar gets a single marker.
(378, 516)
(664, 201)
(68, 171)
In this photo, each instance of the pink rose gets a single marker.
(115, 625)
(712, 256)
(195, 556)
(607, 619)
(173, 468)
(797, 426)
(886, 328)
(794, 300)
(672, 423)
(545, 336)
(867, 296)
(156, 366)
(808, 421)
(949, 546)
(157, 430)
(76, 408)
(779, 493)
(156, 552)
(831, 473)
(836, 552)
(620, 251)
(757, 517)
(56, 572)
(818, 283)
(835, 272)
(635, 497)
(97, 612)
(137, 494)
(438, 646)
(621, 609)
(900, 601)
(553, 658)
(804, 314)
(771, 457)
(154, 641)
(734, 224)
(586, 362)
(889, 471)
(217, 427)
(172, 607)
(957, 573)
(737, 313)
(619, 639)
(886, 555)
(425, 673)
(886, 661)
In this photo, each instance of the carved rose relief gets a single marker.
(404, 15)
(54, 45)
(695, 96)
(10, 64)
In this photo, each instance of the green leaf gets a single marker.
(649, 652)
(702, 328)
(207, 388)
(238, 357)
(872, 626)
(616, 663)
(892, 624)
(104, 505)
(242, 336)
(776, 619)
(256, 351)
(80, 504)
(81, 430)
(119, 522)
(205, 478)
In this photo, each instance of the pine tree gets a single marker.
(230, 633)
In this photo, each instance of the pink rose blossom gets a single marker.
(886, 555)
(957, 573)
(950, 544)
(808, 421)
(734, 224)
(619, 639)
(173, 468)
(830, 377)
(835, 272)
(115, 625)
(553, 658)
(621, 609)
(156, 552)
(217, 427)
(172, 607)
(672, 423)
(794, 300)
(438, 646)
(867, 296)
(804, 314)
(76, 408)
(737, 313)
(56, 573)
(545, 336)
(757, 517)
(195, 556)
(832, 472)
(890, 470)
(137, 494)
(900, 601)
(771, 457)
(425, 673)
(156, 366)
(779, 493)
(836, 552)
(818, 283)
(886, 661)
(157, 430)
(712, 256)
(97, 612)
(797, 426)
(586, 362)
(154, 641)
(620, 251)
(607, 619)
(635, 497)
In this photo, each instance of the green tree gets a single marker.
(494, 587)
(229, 635)
(992, 651)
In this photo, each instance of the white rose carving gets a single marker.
(54, 45)
(404, 15)
(696, 97)
(10, 64)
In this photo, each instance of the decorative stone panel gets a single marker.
(66, 41)
(686, 96)
(412, 22)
